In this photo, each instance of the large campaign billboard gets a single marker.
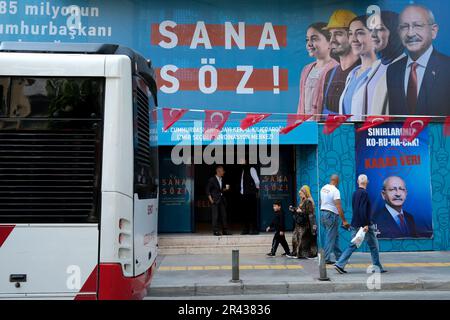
(399, 180)
(310, 57)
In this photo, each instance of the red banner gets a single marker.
(293, 121)
(214, 122)
(334, 121)
(213, 34)
(373, 121)
(253, 118)
(172, 115)
(187, 79)
(413, 126)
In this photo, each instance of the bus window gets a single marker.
(4, 88)
(56, 97)
(51, 150)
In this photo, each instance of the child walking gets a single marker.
(278, 226)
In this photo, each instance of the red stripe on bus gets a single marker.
(227, 79)
(5, 231)
(216, 34)
(89, 289)
(113, 285)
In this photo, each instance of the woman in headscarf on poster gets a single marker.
(389, 49)
(313, 75)
(304, 237)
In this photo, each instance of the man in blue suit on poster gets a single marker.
(419, 83)
(392, 221)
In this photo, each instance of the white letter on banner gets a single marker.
(169, 34)
(238, 37)
(202, 79)
(200, 36)
(241, 89)
(268, 37)
(167, 77)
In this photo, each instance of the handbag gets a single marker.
(301, 219)
(359, 237)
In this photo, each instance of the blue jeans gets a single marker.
(372, 241)
(330, 221)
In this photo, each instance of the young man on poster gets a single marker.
(418, 83)
(340, 49)
(392, 220)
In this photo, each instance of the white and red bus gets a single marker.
(78, 171)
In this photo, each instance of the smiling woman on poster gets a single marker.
(313, 76)
(389, 49)
(354, 96)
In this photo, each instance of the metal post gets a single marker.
(322, 267)
(235, 266)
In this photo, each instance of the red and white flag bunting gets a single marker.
(447, 126)
(334, 121)
(172, 115)
(413, 126)
(293, 121)
(373, 121)
(253, 118)
(214, 122)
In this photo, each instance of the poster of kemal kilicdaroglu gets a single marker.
(399, 181)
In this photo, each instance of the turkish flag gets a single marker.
(253, 118)
(413, 126)
(334, 121)
(373, 121)
(172, 115)
(214, 122)
(293, 121)
(447, 127)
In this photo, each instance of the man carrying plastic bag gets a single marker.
(362, 228)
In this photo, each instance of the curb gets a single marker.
(291, 288)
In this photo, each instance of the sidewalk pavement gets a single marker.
(204, 275)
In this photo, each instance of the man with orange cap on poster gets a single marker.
(340, 50)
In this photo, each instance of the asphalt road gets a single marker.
(391, 295)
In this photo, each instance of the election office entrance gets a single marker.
(184, 205)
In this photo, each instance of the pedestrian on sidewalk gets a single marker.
(362, 218)
(214, 191)
(304, 238)
(331, 210)
(249, 189)
(278, 226)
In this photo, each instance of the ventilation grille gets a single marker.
(48, 175)
(143, 129)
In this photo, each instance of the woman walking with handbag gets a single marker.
(304, 238)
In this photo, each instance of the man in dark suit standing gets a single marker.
(392, 220)
(419, 83)
(214, 190)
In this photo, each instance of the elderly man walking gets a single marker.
(361, 219)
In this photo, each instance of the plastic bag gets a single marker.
(359, 238)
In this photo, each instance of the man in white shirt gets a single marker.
(249, 188)
(392, 221)
(331, 210)
(418, 83)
